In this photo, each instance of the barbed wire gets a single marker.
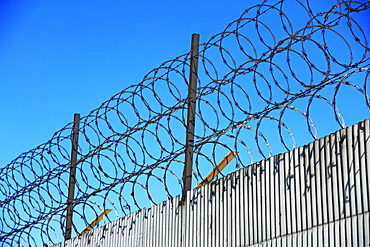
(266, 85)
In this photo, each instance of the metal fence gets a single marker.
(268, 83)
(316, 195)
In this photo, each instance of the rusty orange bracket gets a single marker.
(223, 163)
(95, 222)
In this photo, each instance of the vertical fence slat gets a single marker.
(268, 195)
(296, 198)
(367, 160)
(361, 133)
(301, 194)
(352, 172)
(286, 191)
(323, 180)
(258, 209)
(277, 214)
(248, 205)
(317, 181)
(254, 204)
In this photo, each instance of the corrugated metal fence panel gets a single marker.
(157, 226)
(325, 235)
(314, 195)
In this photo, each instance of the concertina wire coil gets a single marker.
(265, 84)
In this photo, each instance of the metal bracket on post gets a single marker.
(72, 176)
(193, 78)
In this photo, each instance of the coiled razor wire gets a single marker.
(266, 84)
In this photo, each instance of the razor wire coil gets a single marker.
(256, 79)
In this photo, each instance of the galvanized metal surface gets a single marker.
(316, 195)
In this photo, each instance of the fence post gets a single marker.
(72, 176)
(193, 77)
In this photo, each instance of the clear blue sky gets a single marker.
(62, 57)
